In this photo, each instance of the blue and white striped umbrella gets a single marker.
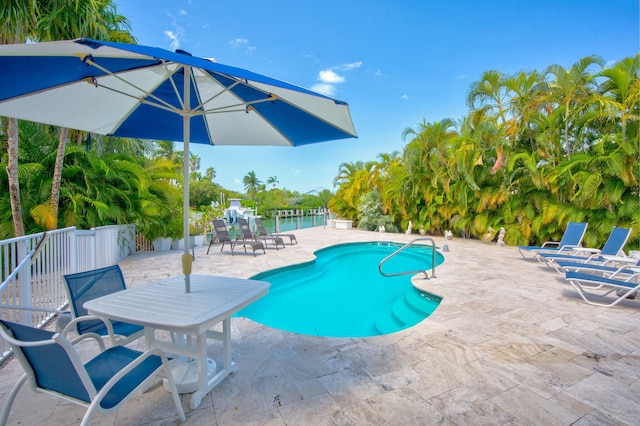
(136, 91)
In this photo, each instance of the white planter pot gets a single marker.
(162, 244)
(197, 241)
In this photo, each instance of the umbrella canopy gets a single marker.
(136, 91)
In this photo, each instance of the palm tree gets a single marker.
(489, 94)
(17, 20)
(570, 88)
(52, 20)
(210, 173)
(619, 94)
(273, 181)
(251, 184)
(82, 18)
(194, 162)
(167, 150)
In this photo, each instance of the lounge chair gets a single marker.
(620, 265)
(102, 384)
(221, 234)
(613, 248)
(572, 238)
(622, 287)
(248, 235)
(92, 284)
(261, 232)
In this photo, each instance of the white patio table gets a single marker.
(164, 305)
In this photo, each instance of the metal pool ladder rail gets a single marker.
(433, 260)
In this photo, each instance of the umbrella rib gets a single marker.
(225, 90)
(160, 102)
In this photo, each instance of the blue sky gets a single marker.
(396, 63)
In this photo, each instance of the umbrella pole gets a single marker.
(187, 259)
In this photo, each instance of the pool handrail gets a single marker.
(433, 260)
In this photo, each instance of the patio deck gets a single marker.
(511, 343)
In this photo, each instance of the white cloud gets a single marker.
(325, 89)
(182, 12)
(329, 76)
(378, 73)
(296, 172)
(404, 97)
(349, 67)
(238, 42)
(242, 43)
(175, 41)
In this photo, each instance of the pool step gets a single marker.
(388, 324)
(421, 302)
(406, 312)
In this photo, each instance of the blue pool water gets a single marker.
(342, 294)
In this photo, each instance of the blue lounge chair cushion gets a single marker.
(597, 279)
(612, 247)
(572, 237)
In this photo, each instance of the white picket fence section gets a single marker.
(32, 268)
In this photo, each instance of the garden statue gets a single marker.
(448, 234)
(488, 237)
(382, 228)
(501, 235)
(409, 228)
(421, 230)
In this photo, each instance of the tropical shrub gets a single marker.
(536, 150)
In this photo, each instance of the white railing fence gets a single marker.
(31, 267)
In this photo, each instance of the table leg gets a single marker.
(226, 343)
(206, 384)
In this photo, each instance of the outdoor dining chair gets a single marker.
(90, 285)
(53, 366)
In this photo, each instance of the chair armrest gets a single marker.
(620, 259)
(550, 244)
(95, 336)
(131, 366)
(586, 250)
(620, 274)
(569, 248)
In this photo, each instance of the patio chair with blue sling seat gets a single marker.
(53, 366)
(90, 285)
(622, 286)
(571, 238)
(613, 248)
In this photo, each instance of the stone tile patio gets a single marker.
(511, 343)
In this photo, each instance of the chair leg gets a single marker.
(174, 391)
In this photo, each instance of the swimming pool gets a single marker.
(342, 294)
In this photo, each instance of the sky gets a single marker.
(396, 63)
